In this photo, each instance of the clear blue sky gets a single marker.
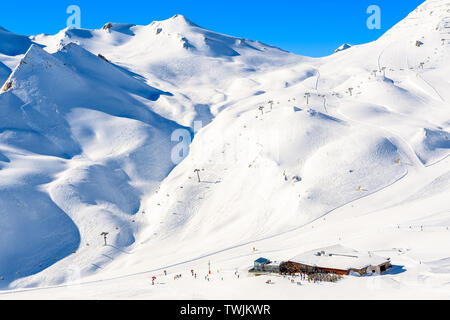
(308, 27)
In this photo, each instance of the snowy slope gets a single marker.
(251, 157)
(353, 151)
(79, 147)
(367, 144)
(12, 49)
(409, 98)
(200, 67)
(13, 44)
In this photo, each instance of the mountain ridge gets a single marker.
(292, 153)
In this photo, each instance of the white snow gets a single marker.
(85, 148)
(340, 258)
(343, 47)
(12, 44)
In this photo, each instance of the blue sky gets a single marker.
(307, 27)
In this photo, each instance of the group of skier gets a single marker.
(317, 277)
(310, 277)
(194, 275)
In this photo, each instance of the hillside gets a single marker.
(293, 154)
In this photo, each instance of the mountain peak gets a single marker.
(177, 21)
(119, 27)
(34, 71)
(35, 52)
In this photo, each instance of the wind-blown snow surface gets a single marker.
(85, 148)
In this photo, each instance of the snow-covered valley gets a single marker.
(289, 154)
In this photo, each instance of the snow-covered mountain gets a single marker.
(295, 153)
(12, 49)
(204, 70)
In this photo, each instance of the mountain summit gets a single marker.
(132, 150)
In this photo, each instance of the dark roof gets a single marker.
(262, 260)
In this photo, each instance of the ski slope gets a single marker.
(352, 151)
